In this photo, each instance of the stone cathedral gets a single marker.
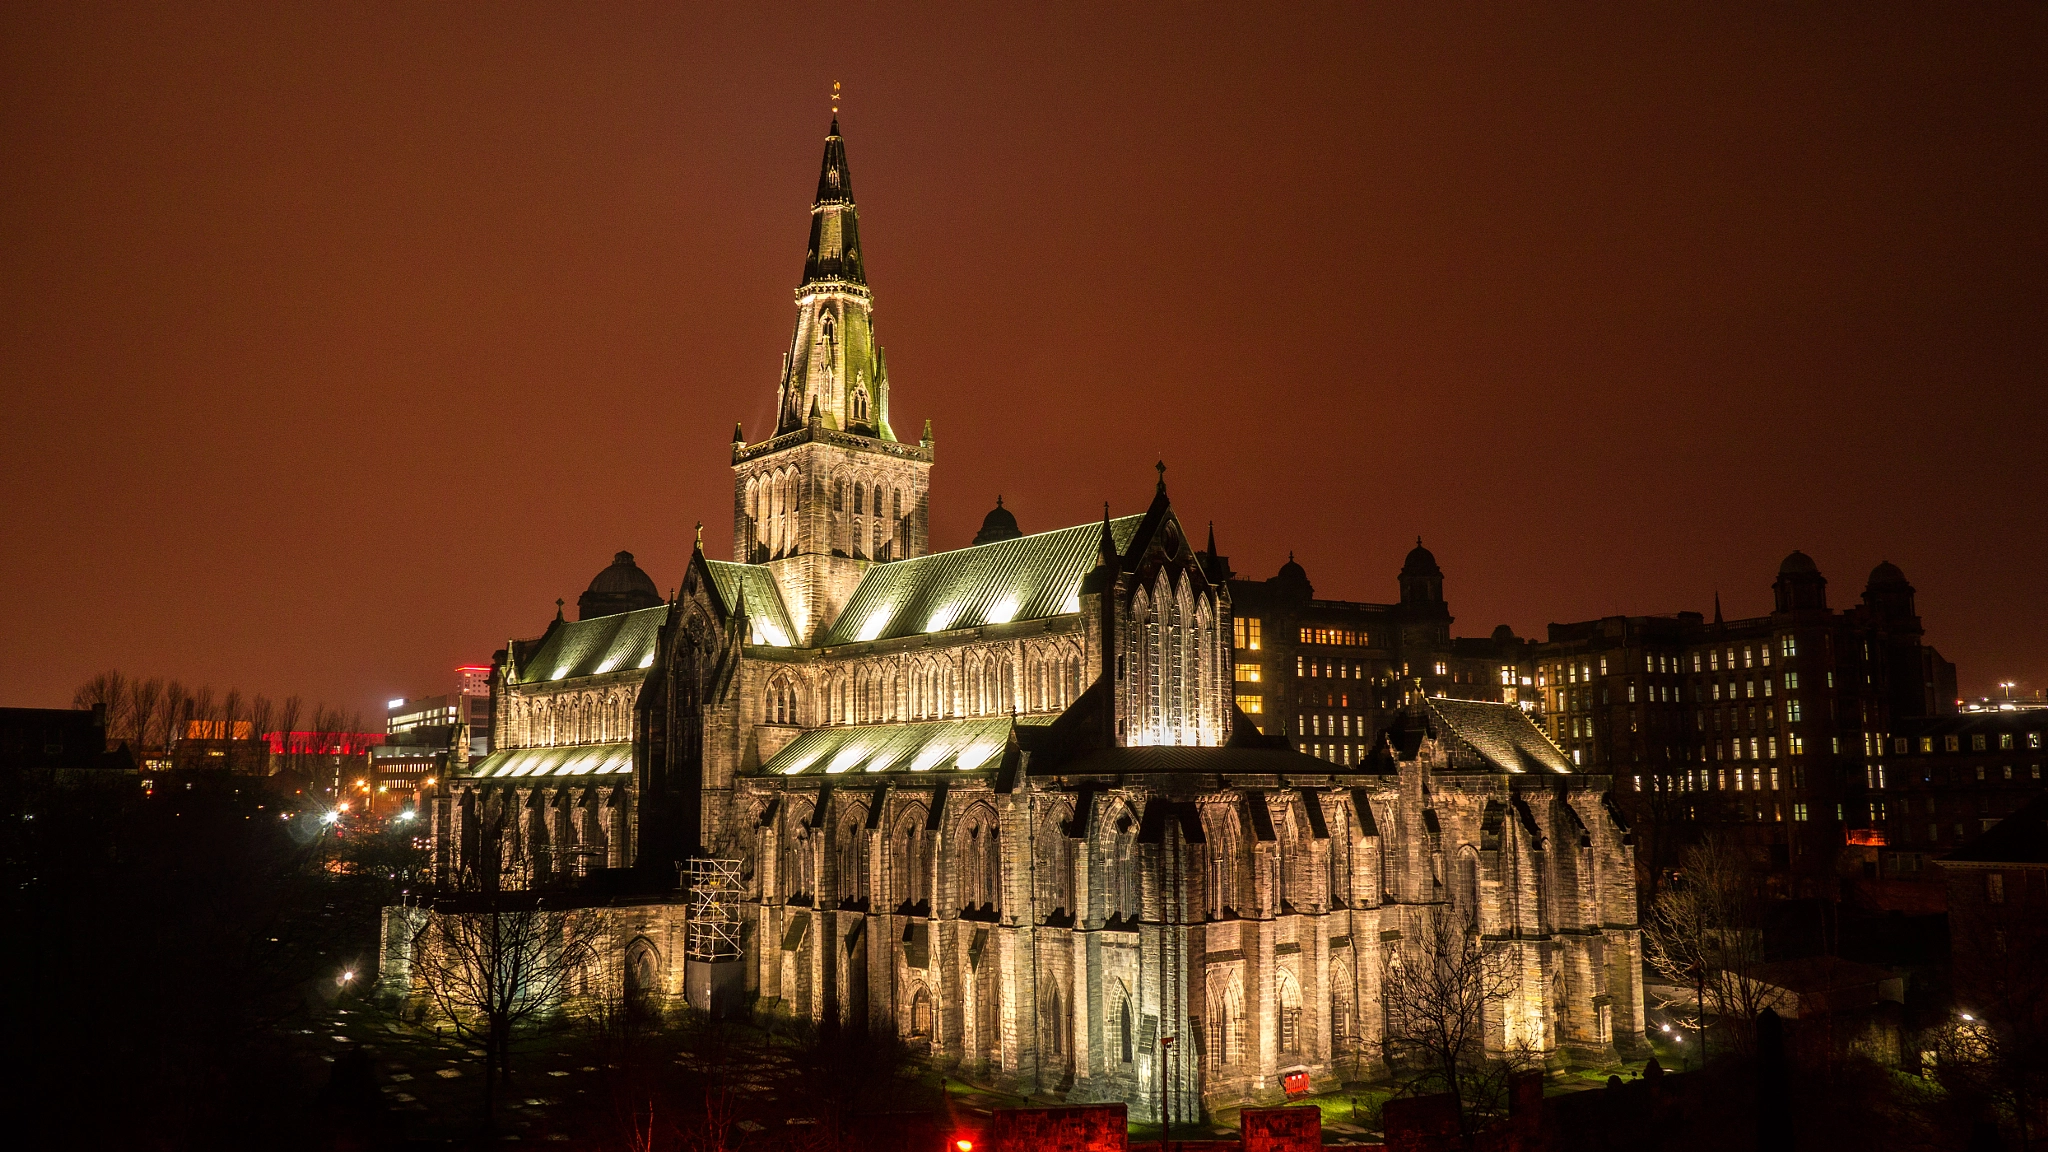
(998, 800)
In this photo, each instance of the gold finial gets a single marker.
(835, 97)
(700, 535)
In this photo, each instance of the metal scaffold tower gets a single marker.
(714, 924)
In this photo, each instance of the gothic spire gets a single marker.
(835, 224)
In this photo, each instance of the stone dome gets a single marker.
(1293, 580)
(1887, 575)
(999, 524)
(1421, 561)
(1798, 564)
(620, 587)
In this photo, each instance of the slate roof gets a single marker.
(2021, 838)
(1502, 733)
(623, 641)
(923, 746)
(1028, 578)
(765, 611)
(576, 760)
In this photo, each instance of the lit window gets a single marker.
(2005, 741)
(1245, 631)
(1792, 712)
(1977, 742)
(1248, 673)
(1251, 705)
(1603, 665)
(1951, 743)
(1788, 646)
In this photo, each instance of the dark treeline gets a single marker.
(150, 713)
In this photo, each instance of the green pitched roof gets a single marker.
(619, 642)
(1503, 734)
(1028, 578)
(765, 611)
(941, 745)
(577, 760)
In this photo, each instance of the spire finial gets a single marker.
(558, 608)
(1162, 476)
(1418, 541)
(999, 500)
(700, 535)
(835, 101)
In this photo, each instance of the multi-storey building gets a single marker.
(1948, 779)
(1777, 726)
(999, 800)
(1332, 674)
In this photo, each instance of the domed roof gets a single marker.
(622, 587)
(1293, 579)
(623, 577)
(1887, 575)
(1420, 560)
(1798, 564)
(997, 525)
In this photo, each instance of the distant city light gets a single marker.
(394, 703)
(405, 815)
(330, 817)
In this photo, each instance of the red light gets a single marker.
(964, 1145)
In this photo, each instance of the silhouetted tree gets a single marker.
(1706, 933)
(1437, 993)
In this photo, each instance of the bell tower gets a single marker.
(832, 491)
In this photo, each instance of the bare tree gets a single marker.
(287, 723)
(230, 713)
(177, 708)
(1437, 994)
(495, 961)
(201, 707)
(261, 713)
(107, 690)
(144, 700)
(1706, 933)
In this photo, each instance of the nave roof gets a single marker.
(1029, 578)
(620, 642)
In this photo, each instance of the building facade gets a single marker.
(1002, 801)
(1332, 674)
(1778, 728)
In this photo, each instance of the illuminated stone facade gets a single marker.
(999, 800)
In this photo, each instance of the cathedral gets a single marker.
(1001, 801)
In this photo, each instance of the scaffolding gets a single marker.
(714, 924)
